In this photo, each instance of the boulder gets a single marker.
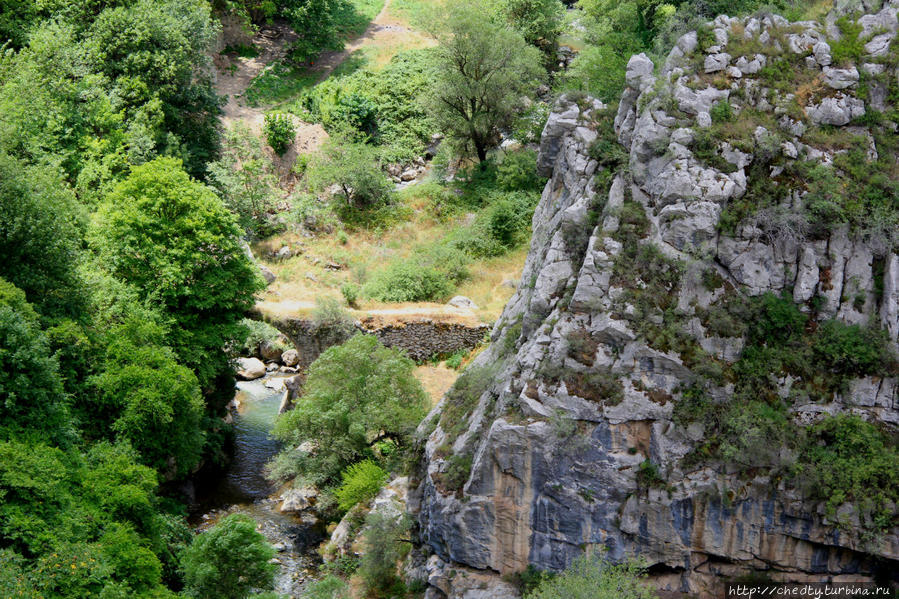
(460, 301)
(250, 369)
(290, 358)
(269, 351)
(298, 500)
(267, 274)
(284, 253)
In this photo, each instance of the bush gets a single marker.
(279, 131)
(329, 587)
(350, 293)
(228, 561)
(518, 171)
(853, 350)
(354, 169)
(332, 323)
(405, 281)
(590, 577)
(458, 469)
(849, 460)
(722, 112)
(386, 543)
(375, 397)
(430, 274)
(259, 332)
(361, 482)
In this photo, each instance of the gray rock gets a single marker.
(269, 350)
(267, 274)
(284, 253)
(290, 357)
(249, 369)
(717, 62)
(836, 111)
(639, 74)
(840, 78)
(298, 500)
(460, 301)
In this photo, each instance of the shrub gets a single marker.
(648, 475)
(722, 112)
(376, 397)
(331, 320)
(361, 482)
(458, 469)
(455, 360)
(329, 587)
(350, 293)
(386, 543)
(259, 332)
(406, 281)
(279, 131)
(590, 577)
(848, 459)
(853, 350)
(518, 171)
(354, 169)
(228, 560)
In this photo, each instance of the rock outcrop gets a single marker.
(570, 436)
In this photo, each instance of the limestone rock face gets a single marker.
(577, 398)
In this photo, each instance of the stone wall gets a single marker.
(420, 338)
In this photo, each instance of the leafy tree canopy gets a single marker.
(172, 238)
(483, 70)
(228, 561)
(375, 396)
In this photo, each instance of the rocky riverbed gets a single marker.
(245, 490)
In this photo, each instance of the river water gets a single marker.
(245, 490)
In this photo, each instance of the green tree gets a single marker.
(40, 233)
(484, 69)
(375, 397)
(172, 238)
(386, 540)
(589, 577)
(154, 53)
(361, 482)
(33, 402)
(245, 180)
(539, 21)
(352, 167)
(149, 399)
(228, 561)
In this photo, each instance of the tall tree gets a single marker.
(354, 394)
(228, 561)
(172, 238)
(484, 70)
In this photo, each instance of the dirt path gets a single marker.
(383, 29)
(235, 75)
(405, 313)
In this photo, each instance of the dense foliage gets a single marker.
(377, 398)
(171, 237)
(228, 561)
(590, 577)
(483, 70)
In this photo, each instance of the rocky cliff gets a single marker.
(681, 365)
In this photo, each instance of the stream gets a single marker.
(244, 489)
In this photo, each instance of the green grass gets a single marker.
(242, 50)
(278, 83)
(353, 17)
(412, 11)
